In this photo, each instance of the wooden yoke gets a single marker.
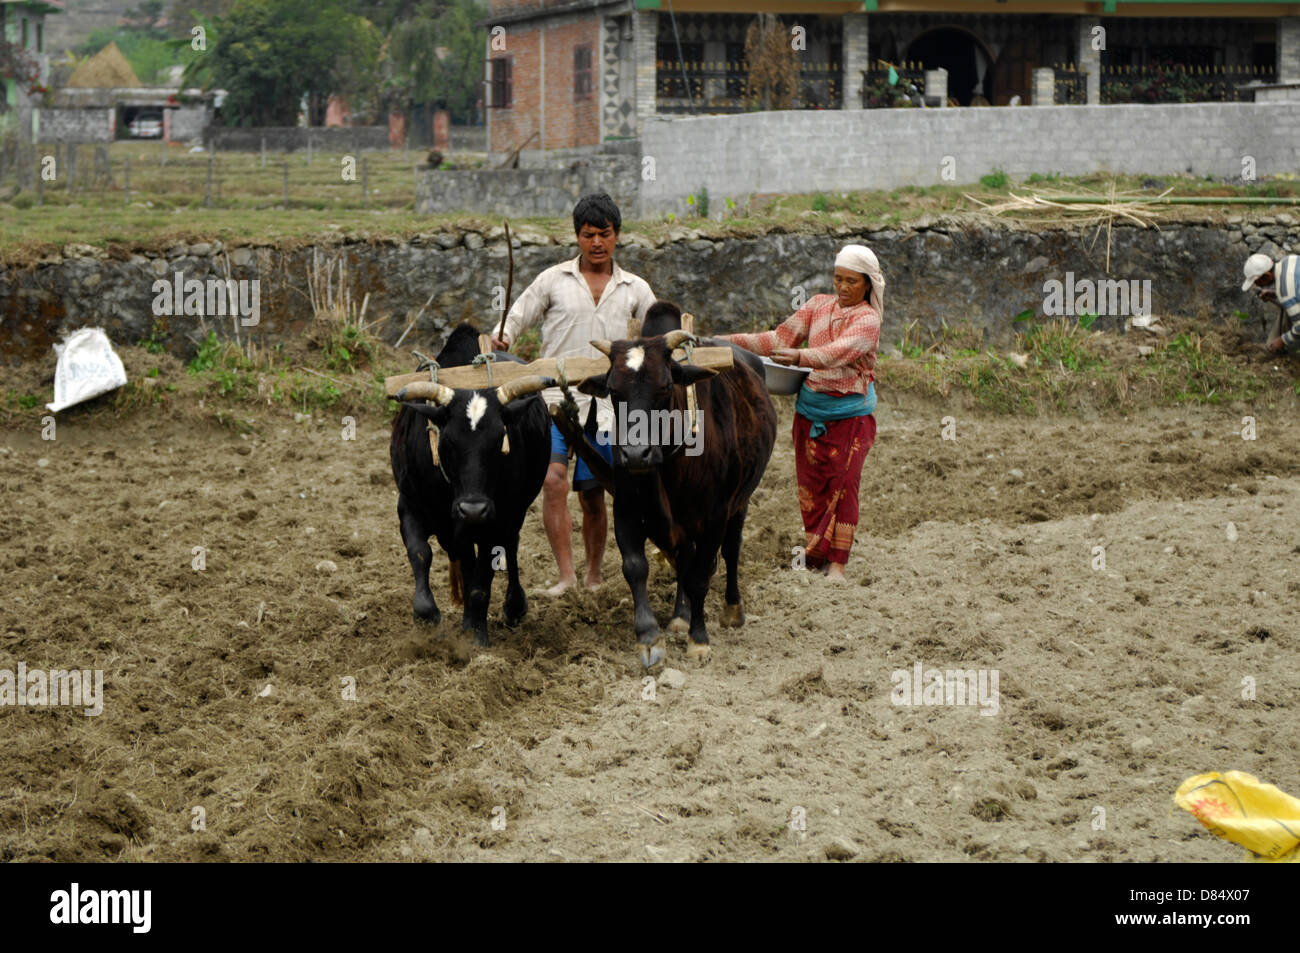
(576, 369)
(688, 325)
(485, 347)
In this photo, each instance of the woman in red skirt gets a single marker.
(834, 422)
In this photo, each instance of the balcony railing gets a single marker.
(1071, 86)
(1172, 83)
(719, 87)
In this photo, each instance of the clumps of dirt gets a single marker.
(801, 687)
(991, 809)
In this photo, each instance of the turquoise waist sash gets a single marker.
(820, 408)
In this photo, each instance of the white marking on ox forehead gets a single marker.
(475, 410)
(635, 357)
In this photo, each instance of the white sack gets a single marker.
(87, 368)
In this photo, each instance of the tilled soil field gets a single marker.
(226, 689)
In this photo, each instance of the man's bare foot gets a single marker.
(835, 571)
(561, 587)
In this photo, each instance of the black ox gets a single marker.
(690, 506)
(493, 448)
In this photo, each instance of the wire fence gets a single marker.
(169, 175)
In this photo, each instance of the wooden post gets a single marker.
(688, 324)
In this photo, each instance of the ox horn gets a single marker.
(604, 347)
(521, 386)
(675, 339)
(427, 390)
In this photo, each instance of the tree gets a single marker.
(269, 54)
(187, 14)
(438, 57)
(145, 18)
(773, 67)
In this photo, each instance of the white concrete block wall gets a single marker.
(796, 151)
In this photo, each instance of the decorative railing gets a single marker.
(684, 86)
(1071, 85)
(1173, 83)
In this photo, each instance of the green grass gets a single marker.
(222, 369)
(167, 203)
(997, 179)
(1067, 367)
(16, 401)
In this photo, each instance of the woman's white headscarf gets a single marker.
(863, 259)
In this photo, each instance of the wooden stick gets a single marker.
(576, 439)
(510, 279)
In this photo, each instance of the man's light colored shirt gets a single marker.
(561, 299)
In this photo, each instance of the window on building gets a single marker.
(40, 38)
(1120, 56)
(1185, 55)
(1264, 54)
(502, 87)
(24, 41)
(582, 85)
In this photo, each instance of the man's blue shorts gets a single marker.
(582, 476)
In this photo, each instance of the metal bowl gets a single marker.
(783, 379)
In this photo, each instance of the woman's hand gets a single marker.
(786, 355)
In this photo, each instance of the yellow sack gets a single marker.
(1238, 807)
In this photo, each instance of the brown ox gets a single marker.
(688, 504)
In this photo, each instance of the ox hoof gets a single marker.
(733, 617)
(679, 626)
(427, 617)
(697, 652)
(652, 655)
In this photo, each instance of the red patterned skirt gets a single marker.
(829, 472)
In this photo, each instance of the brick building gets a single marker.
(564, 77)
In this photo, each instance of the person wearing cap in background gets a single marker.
(1278, 282)
(834, 421)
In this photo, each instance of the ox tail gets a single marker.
(457, 582)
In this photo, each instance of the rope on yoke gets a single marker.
(692, 409)
(485, 360)
(568, 404)
(429, 364)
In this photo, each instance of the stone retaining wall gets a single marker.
(949, 269)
